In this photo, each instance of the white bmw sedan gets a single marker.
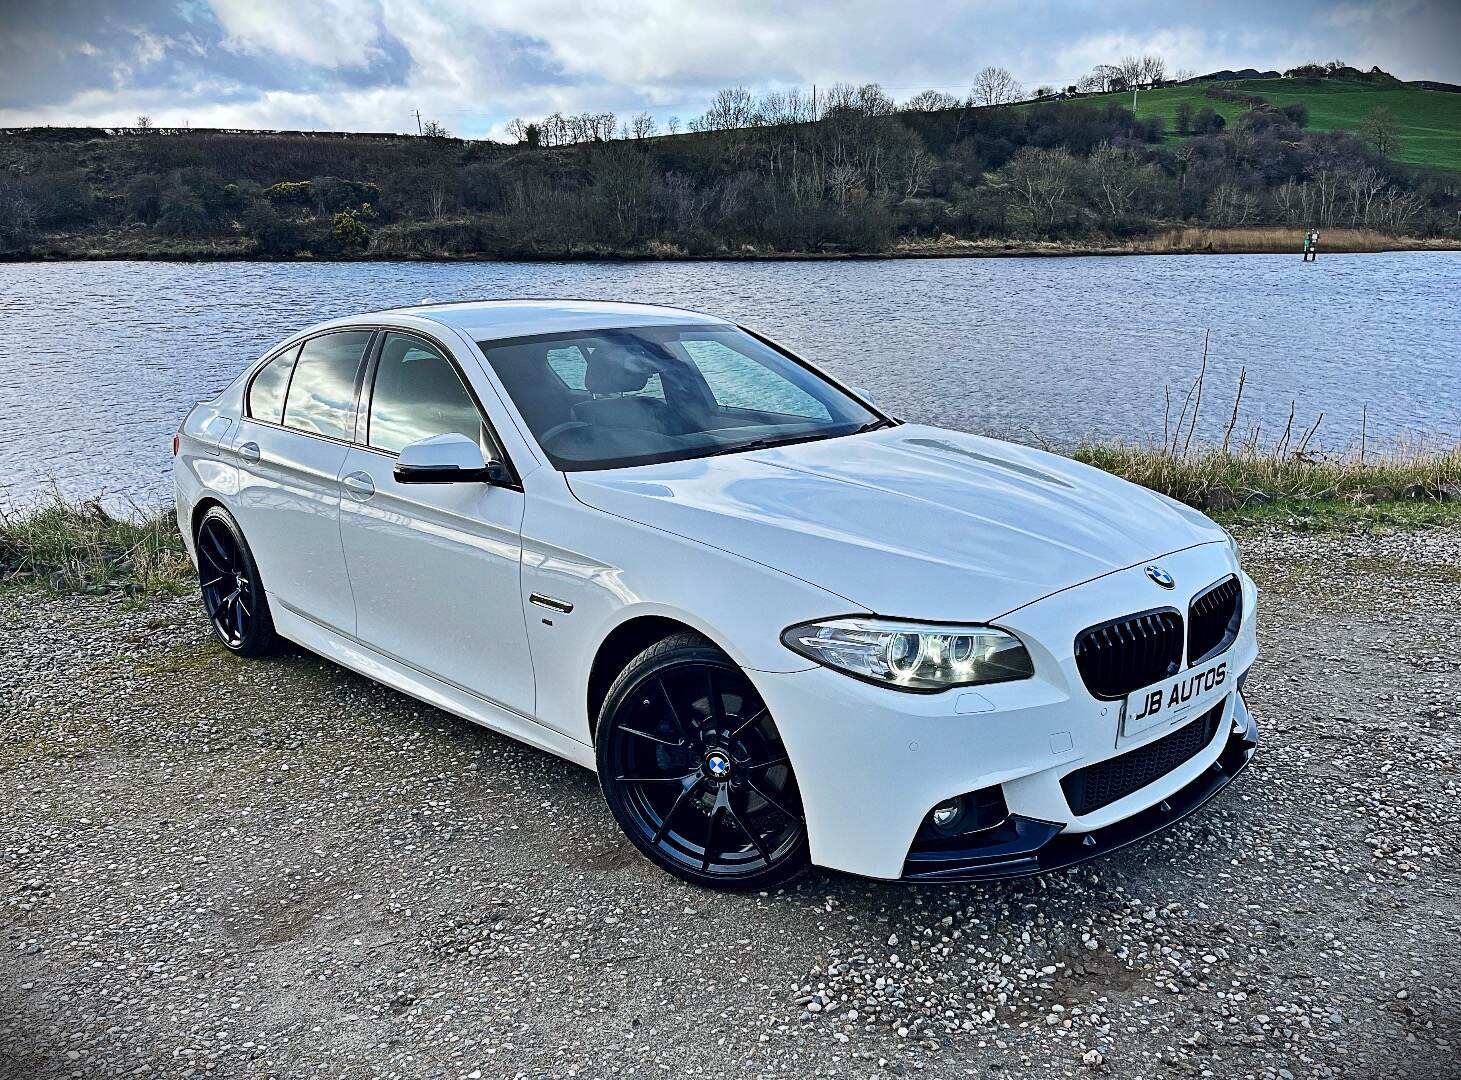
(783, 626)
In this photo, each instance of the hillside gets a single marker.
(1428, 121)
(864, 177)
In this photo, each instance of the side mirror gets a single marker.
(860, 392)
(447, 459)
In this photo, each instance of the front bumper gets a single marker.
(1022, 846)
(871, 762)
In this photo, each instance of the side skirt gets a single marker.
(360, 658)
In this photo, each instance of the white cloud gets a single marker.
(474, 64)
(328, 33)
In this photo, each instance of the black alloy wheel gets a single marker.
(695, 771)
(232, 593)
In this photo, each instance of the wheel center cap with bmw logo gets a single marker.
(1161, 577)
(717, 765)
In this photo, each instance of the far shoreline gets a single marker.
(1194, 241)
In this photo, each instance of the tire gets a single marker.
(233, 595)
(695, 772)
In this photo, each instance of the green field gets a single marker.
(1429, 120)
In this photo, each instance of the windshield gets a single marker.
(602, 399)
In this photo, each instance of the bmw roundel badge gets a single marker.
(1161, 577)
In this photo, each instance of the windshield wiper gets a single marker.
(770, 442)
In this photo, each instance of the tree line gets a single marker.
(844, 168)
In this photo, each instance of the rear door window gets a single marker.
(321, 396)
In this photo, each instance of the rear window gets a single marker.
(266, 392)
(321, 396)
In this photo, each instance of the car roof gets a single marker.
(489, 320)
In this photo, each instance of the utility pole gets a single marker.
(418, 121)
(1133, 101)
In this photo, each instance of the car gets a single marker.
(783, 626)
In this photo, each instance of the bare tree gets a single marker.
(1129, 70)
(1396, 211)
(1379, 129)
(841, 179)
(996, 86)
(433, 130)
(644, 126)
(436, 195)
(871, 100)
(918, 165)
(1102, 79)
(1363, 185)
(1230, 205)
(1153, 69)
(1040, 181)
(931, 101)
(144, 123)
(730, 108)
(1116, 178)
(1288, 200)
(517, 129)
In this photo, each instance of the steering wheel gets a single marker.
(559, 429)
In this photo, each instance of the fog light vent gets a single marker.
(945, 815)
(963, 814)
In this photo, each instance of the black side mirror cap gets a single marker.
(494, 473)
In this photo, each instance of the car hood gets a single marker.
(910, 521)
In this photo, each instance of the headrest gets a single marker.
(612, 369)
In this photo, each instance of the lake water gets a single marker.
(99, 361)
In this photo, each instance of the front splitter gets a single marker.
(1022, 846)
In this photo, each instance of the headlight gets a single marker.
(912, 656)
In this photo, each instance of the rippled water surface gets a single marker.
(98, 361)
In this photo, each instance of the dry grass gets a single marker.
(1216, 479)
(76, 546)
(1256, 241)
(1260, 241)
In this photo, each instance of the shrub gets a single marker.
(297, 192)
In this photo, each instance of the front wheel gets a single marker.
(695, 771)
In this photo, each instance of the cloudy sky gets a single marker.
(472, 65)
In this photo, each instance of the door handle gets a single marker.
(249, 452)
(359, 485)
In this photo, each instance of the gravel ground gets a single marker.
(277, 869)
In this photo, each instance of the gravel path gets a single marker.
(277, 869)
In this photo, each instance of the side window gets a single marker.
(739, 382)
(266, 392)
(417, 394)
(322, 392)
(570, 366)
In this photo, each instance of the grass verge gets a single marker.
(80, 546)
(1214, 479)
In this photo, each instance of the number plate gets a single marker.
(1178, 698)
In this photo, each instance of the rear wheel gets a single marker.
(695, 771)
(232, 593)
